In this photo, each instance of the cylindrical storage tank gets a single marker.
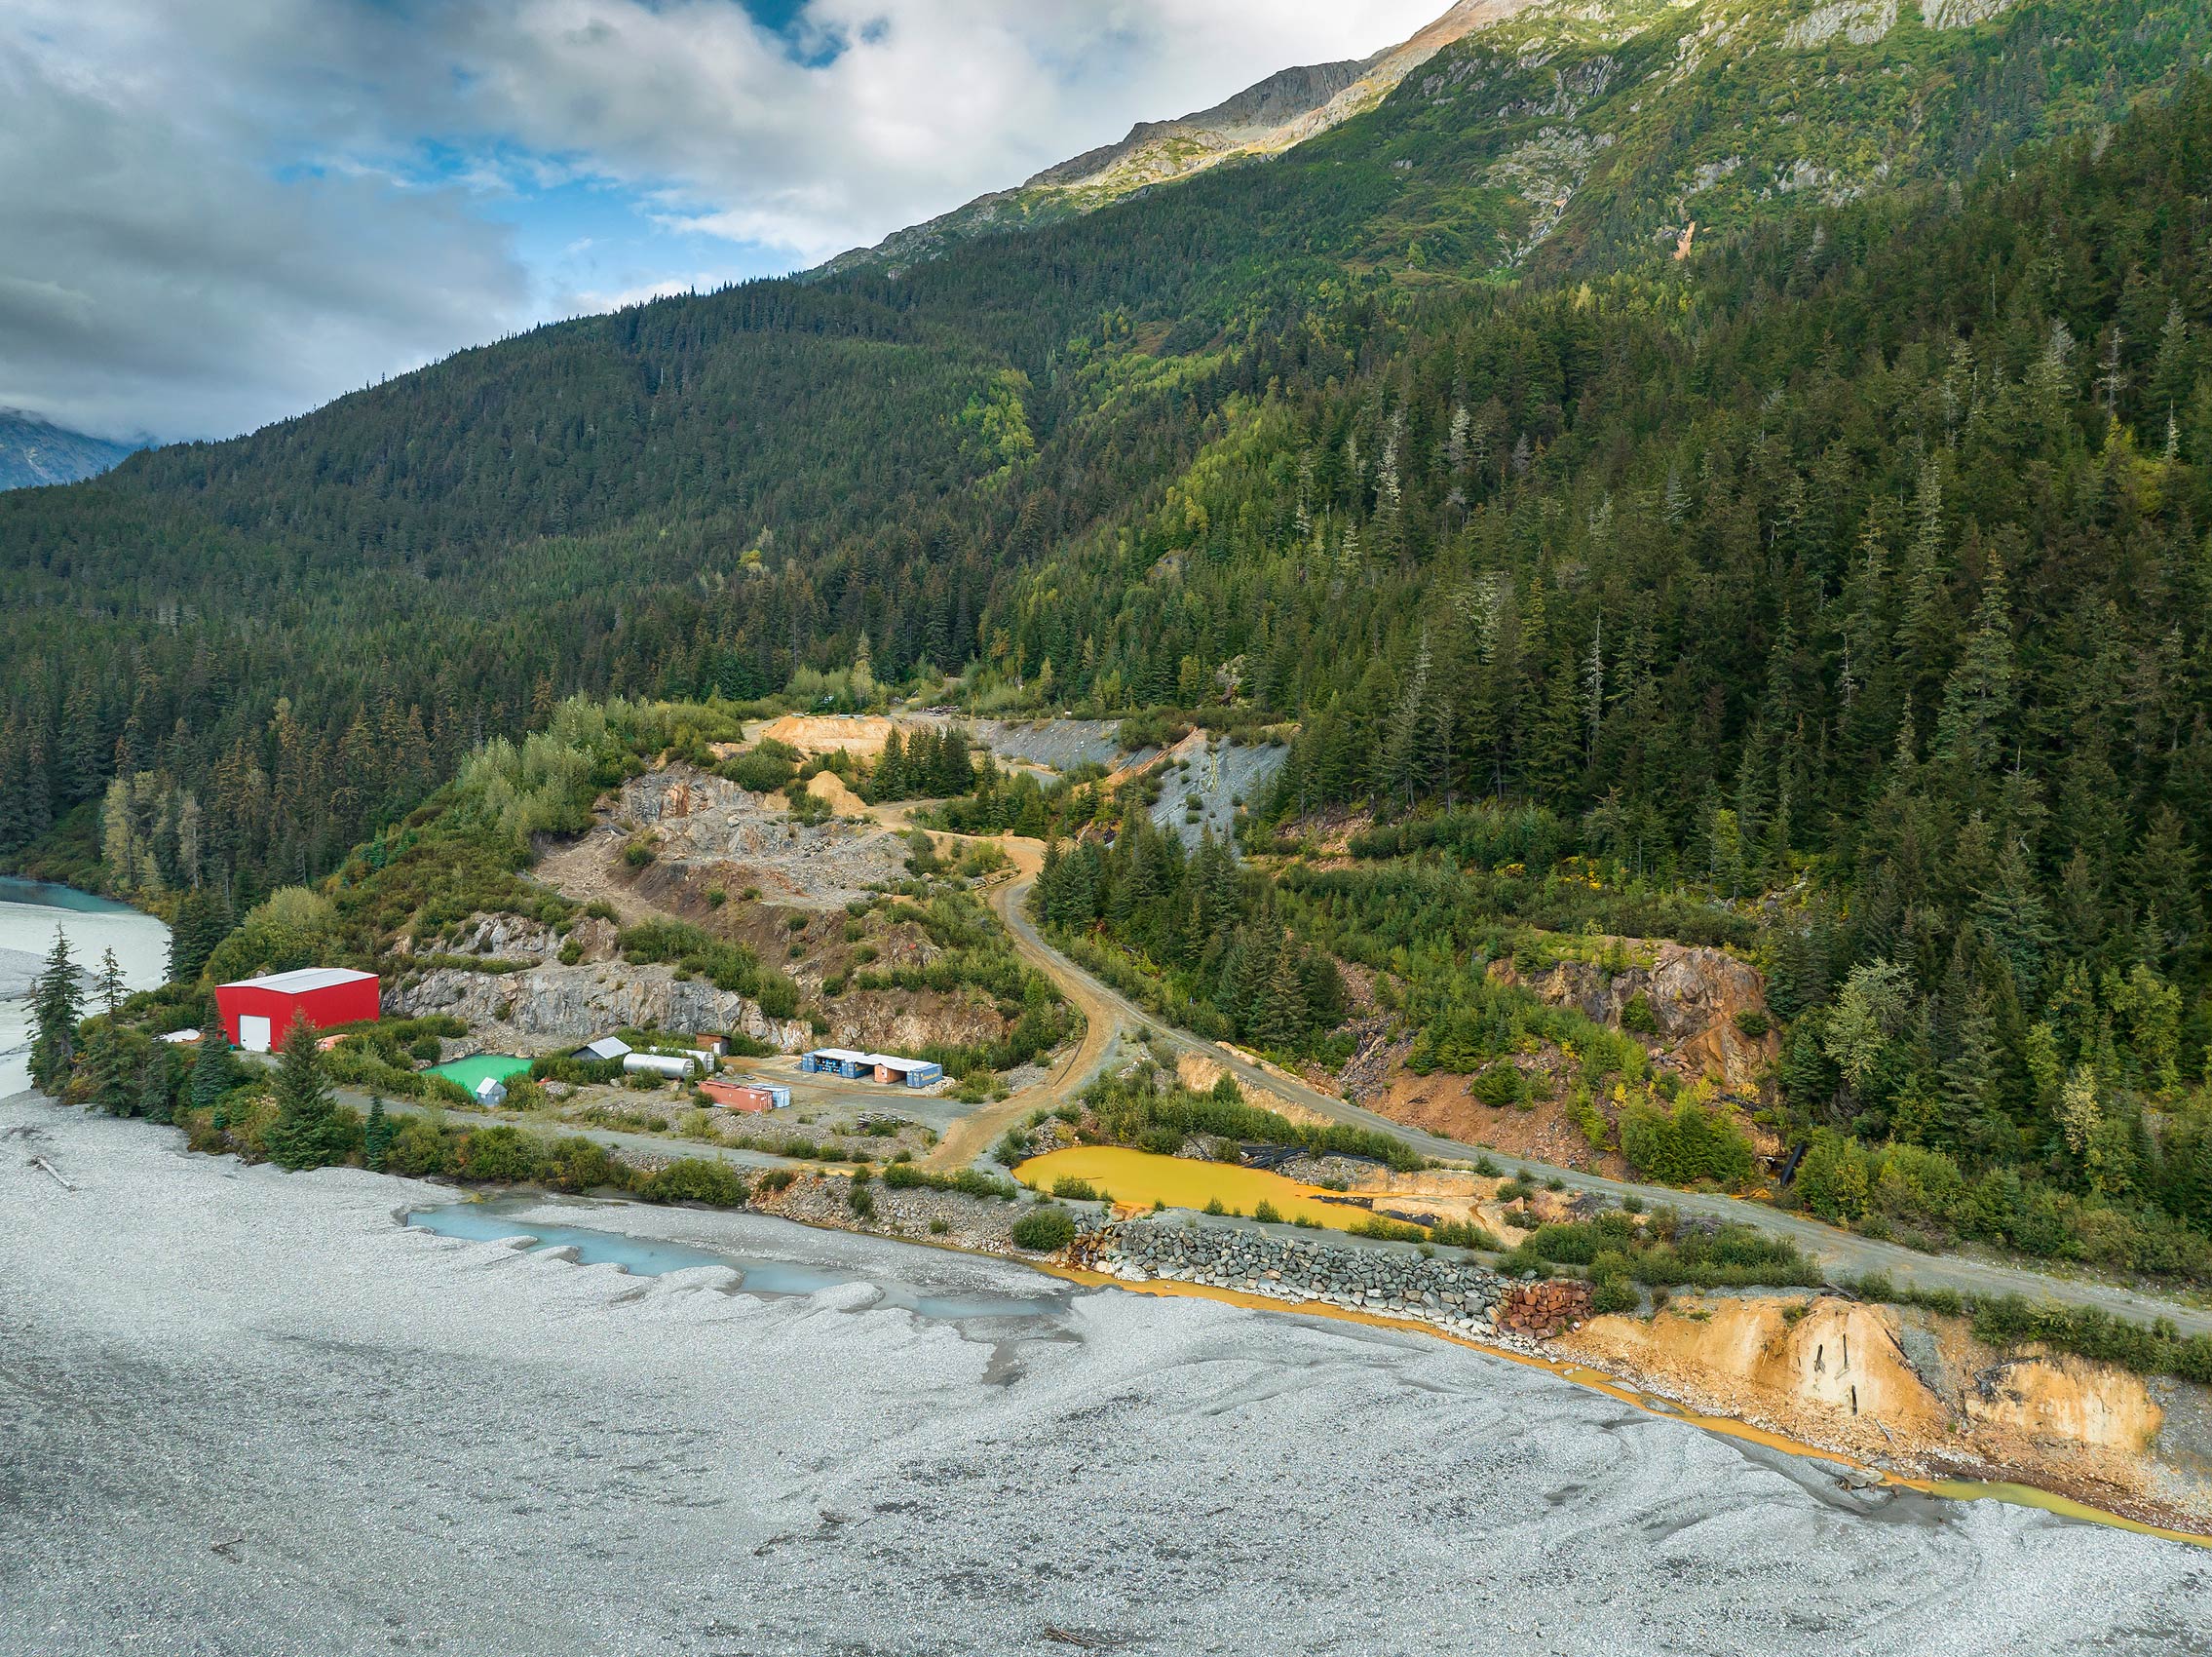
(661, 1064)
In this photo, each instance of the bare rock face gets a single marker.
(872, 1020)
(588, 1000)
(503, 937)
(1694, 994)
(708, 822)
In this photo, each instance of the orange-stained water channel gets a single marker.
(1136, 1179)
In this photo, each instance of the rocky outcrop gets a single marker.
(588, 1000)
(706, 822)
(1695, 996)
(507, 938)
(900, 1022)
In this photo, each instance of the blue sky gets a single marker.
(226, 212)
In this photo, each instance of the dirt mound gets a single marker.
(1908, 1389)
(1442, 1104)
(2066, 1397)
(860, 734)
(1199, 1073)
(829, 786)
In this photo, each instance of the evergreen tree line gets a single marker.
(934, 764)
(1200, 922)
(277, 644)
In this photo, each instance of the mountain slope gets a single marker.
(295, 632)
(35, 451)
(1285, 108)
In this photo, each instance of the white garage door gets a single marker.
(252, 1033)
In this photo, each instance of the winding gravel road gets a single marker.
(1844, 1255)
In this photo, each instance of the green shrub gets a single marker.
(1267, 1213)
(1043, 1230)
(968, 1181)
(698, 1179)
(1614, 1294)
(764, 770)
(1387, 1230)
(1753, 1022)
(419, 1147)
(577, 1164)
(1499, 1085)
(1131, 1111)
(1075, 1190)
(1686, 1145)
(1464, 1234)
(728, 966)
(425, 1048)
(1639, 1015)
(502, 1154)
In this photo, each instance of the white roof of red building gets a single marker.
(301, 980)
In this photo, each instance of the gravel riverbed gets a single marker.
(244, 1411)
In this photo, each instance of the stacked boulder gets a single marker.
(1453, 1294)
(1542, 1309)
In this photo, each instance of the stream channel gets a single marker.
(491, 1222)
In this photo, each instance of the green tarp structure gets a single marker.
(471, 1071)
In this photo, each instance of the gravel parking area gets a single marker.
(247, 1412)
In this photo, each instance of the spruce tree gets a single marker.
(153, 1084)
(212, 1071)
(310, 1129)
(376, 1135)
(111, 987)
(202, 921)
(111, 1083)
(57, 1003)
(890, 779)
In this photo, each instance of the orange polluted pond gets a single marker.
(1142, 1178)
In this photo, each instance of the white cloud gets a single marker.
(223, 213)
(931, 103)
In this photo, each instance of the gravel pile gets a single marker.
(246, 1413)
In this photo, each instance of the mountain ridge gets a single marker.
(35, 452)
(1270, 115)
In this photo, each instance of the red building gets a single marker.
(256, 1011)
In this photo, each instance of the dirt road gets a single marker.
(1108, 1015)
(1102, 1013)
(1844, 1255)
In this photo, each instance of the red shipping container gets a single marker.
(737, 1096)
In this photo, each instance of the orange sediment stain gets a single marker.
(1653, 1405)
(1139, 1178)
